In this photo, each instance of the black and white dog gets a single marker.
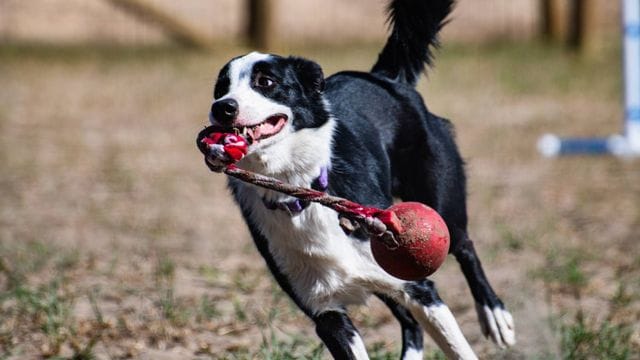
(366, 137)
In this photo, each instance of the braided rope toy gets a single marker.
(410, 239)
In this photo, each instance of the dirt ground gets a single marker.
(117, 242)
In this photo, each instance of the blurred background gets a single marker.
(117, 242)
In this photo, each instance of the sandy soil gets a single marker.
(116, 241)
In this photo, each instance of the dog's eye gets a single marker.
(264, 81)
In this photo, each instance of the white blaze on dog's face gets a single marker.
(256, 116)
(272, 100)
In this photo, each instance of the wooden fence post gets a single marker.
(546, 24)
(552, 21)
(582, 25)
(575, 27)
(571, 22)
(260, 29)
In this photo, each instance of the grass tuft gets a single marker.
(298, 348)
(165, 269)
(582, 340)
(381, 351)
(563, 269)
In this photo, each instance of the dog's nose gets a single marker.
(225, 111)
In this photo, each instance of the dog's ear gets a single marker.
(309, 74)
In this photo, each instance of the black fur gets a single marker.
(424, 292)
(414, 28)
(336, 331)
(223, 82)
(299, 85)
(411, 330)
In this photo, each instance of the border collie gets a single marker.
(367, 137)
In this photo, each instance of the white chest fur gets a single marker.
(326, 268)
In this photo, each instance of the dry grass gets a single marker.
(116, 241)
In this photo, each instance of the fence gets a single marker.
(294, 21)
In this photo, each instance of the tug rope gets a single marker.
(222, 150)
(366, 216)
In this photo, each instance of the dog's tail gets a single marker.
(414, 31)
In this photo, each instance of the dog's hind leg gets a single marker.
(496, 322)
(340, 335)
(433, 174)
(436, 318)
(412, 342)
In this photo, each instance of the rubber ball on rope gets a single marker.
(423, 242)
(420, 234)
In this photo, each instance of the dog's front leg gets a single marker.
(412, 339)
(340, 336)
(436, 318)
(496, 322)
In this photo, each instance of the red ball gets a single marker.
(423, 242)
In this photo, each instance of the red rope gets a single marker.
(366, 216)
(378, 222)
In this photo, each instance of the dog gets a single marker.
(367, 137)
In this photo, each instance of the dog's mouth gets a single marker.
(264, 130)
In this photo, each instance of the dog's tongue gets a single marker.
(266, 129)
(269, 128)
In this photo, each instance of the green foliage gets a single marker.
(47, 308)
(207, 310)
(47, 305)
(564, 269)
(380, 351)
(274, 349)
(165, 269)
(582, 340)
(173, 309)
(19, 260)
(238, 310)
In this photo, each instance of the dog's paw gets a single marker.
(497, 323)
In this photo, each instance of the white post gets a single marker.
(629, 144)
(631, 27)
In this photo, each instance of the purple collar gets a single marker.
(296, 206)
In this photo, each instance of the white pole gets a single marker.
(631, 27)
(629, 144)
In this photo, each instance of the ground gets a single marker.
(117, 242)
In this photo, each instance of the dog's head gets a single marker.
(268, 98)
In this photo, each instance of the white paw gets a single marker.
(497, 323)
